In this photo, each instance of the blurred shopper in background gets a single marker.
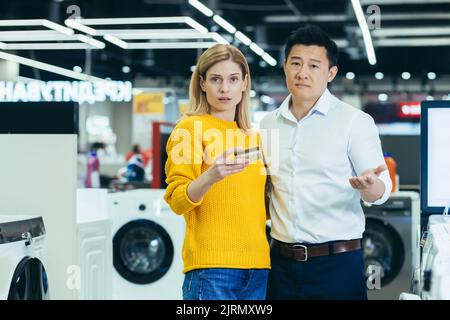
(225, 252)
(330, 157)
(135, 168)
(136, 149)
(92, 179)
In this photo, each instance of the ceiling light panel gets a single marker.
(38, 39)
(118, 36)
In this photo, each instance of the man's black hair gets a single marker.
(311, 35)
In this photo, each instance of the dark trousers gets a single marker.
(334, 277)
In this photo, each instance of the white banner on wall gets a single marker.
(78, 91)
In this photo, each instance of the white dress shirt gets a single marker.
(310, 163)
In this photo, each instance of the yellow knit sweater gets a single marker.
(226, 229)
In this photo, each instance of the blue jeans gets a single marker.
(225, 284)
(335, 277)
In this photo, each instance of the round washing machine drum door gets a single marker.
(142, 251)
(29, 281)
(383, 249)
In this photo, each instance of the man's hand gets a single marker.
(367, 179)
(368, 184)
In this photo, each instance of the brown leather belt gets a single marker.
(300, 252)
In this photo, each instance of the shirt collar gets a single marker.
(323, 105)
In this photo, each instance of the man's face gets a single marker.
(307, 72)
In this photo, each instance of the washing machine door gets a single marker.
(29, 281)
(384, 249)
(142, 251)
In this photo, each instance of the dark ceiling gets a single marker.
(268, 22)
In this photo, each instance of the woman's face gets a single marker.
(224, 86)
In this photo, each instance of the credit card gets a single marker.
(252, 154)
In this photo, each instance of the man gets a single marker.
(329, 157)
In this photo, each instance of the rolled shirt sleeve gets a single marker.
(365, 152)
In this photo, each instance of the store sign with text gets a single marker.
(55, 91)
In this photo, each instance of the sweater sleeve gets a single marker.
(184, 160)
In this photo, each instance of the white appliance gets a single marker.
(147, 242)
(38, 178)
(94, 245)
(435, 266)
(22, 273)
(390, 244)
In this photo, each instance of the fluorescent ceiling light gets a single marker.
(201, 7)
(406, 75)
(36, 22)
(58, 33)
(114, 40)
(35, 36)
(365, 31)
(243, 38)
(165, 45)
(17, 22)
(171, 45)
(143, 32)
(91, 41)
(379, 76)
(343, 18)
(48, 67)
(57, 27)
(383, 97)
(194, 24)
(350, 75)
(145, 20)
(269, 59)
(413, 42)
(257, 49)
(219, 38)
(301, 18)
(2, 46)
(422, 31)
(174, 35)
(411, 16)
(48, 46)
(81, 27)
(224, 24)
(397, 2)
(341, 43)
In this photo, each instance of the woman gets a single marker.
(225, 252)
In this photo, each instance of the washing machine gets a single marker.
(94, 246)
(147, 242)
(23, 275)
(390, 245)
(435, 268)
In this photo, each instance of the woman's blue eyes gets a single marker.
(219, 79)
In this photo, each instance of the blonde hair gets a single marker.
(198, 104)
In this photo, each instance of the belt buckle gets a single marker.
(305, 248)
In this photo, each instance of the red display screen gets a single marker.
(408, 109)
